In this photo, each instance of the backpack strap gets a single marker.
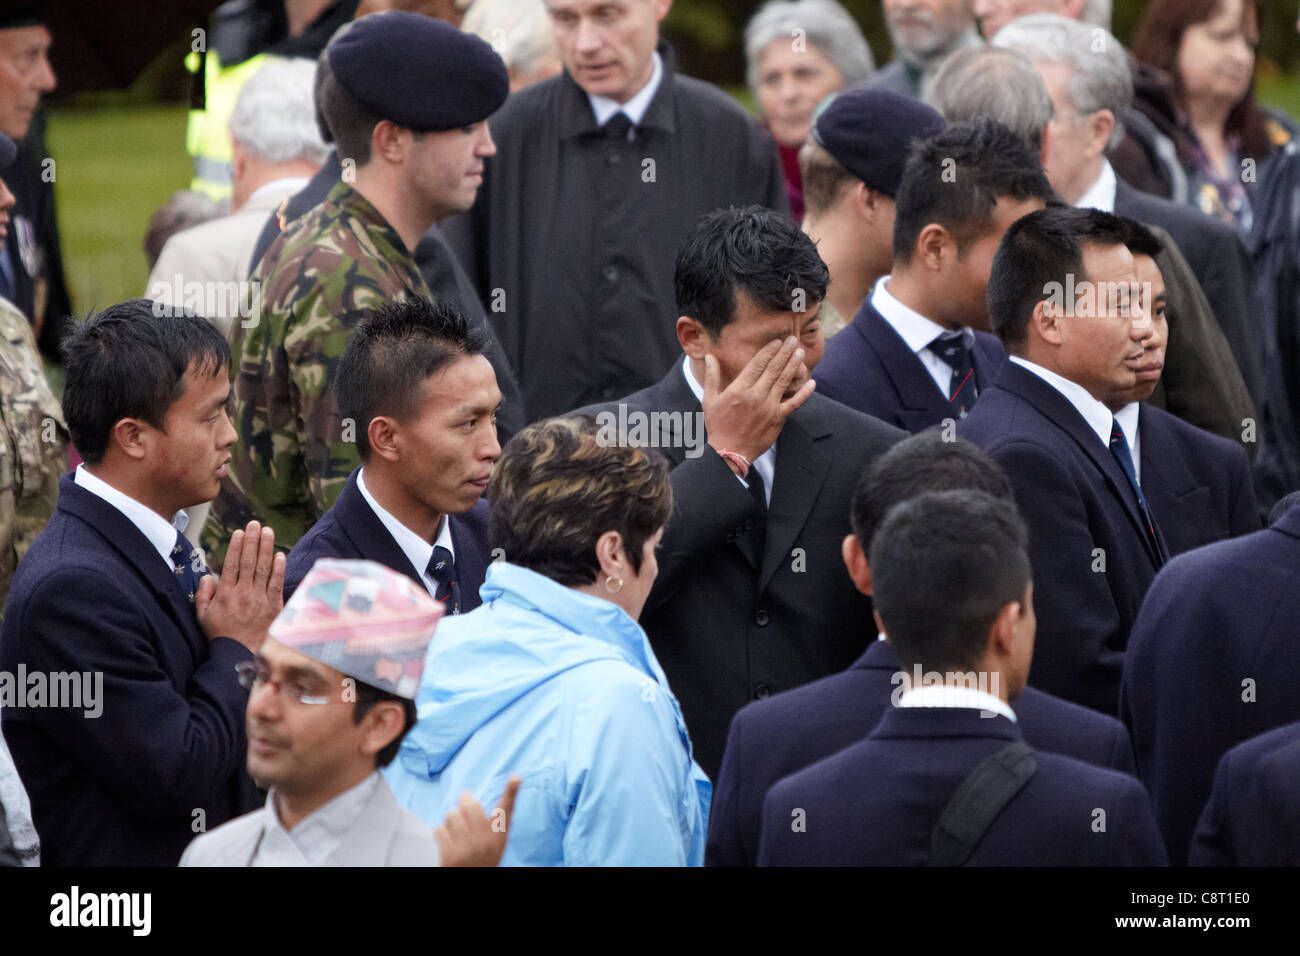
(981, 797)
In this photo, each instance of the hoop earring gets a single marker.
(617, 588)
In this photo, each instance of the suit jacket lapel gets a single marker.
(922, 402)
(368, 534)
(1057, 409)
(120, 534)
(801, 469)
(471, 562)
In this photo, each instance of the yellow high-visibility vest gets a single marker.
(207, 138)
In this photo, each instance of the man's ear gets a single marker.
(1100, 125)
(865, 202)
(1002, 636)
(1046, 319)
(383, 722)
(382, 435)
(932, 247)
(692, 337)
(856, 563)
(130, 435)
(390, 141)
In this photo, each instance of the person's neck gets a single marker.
(392, 497)
(632, 91)
(597, 589)
(294, 807)
(851, 278)
(302, 13)
(406, 217)
(1047, 358)
(260, 174)
(1088, 177)
(137, 487)
(1208, 118)
(910, 287)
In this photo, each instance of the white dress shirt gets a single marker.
(943, 695)
(1128, 420)
(160, 532)
(764, 464)
(915, 330)
(417, 550)
(634, 109)
(1096, 414)
(317, 835)
(1101, 194)
(285, 185)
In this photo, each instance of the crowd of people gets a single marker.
(905, 477)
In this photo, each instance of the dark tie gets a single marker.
(1119, 448)
(442, 568)
(952, 348)
(617, 126)
(186, 557)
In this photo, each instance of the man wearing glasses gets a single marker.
(319, 732)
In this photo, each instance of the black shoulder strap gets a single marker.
(981, 797)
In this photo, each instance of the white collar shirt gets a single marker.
(943, 695)
(417, 550)
(1096, 414)
(634, 109)
(764, 464)
(917, 332)
(1101, 194)
(318, 835)
(160, 532)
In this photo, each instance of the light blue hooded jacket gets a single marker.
(564, 690)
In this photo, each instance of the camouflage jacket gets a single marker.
(33, 444)
(320, 278)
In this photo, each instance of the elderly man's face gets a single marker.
(993, 15)
(25, 74)
(608, 45)
(1076, 142)
(927, 28)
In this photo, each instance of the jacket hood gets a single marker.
(528, 630)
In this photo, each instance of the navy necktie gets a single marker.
(617, 126)
(952, 348)
(442, 568)
(190, 566)
(1119, 448)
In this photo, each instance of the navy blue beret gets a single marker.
(419, 72)
(870, 133)
(8, 150)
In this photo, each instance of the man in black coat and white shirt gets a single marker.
(599, 174)
(751, 597)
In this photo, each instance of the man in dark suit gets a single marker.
(751, 597)
(1088, 76)
(1201, 383)
(1212, 662)
(1253, 816)
(953, 593)
(910, 356)
(1062, 299)
(773, 738)
(1197, 485)
(418, 389)
(113, 600)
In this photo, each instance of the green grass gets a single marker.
(1282, 92)
(115, 166)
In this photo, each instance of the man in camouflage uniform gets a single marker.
(407, 101)
(33, 436)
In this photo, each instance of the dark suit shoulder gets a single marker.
(1190, 436)
(850, 422)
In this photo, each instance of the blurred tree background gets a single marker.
(121, 155)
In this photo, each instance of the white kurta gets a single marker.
(364, 826)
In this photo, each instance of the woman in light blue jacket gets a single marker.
(552, 678)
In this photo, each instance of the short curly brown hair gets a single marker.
(557, 488)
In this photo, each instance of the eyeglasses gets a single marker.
(252, 675)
